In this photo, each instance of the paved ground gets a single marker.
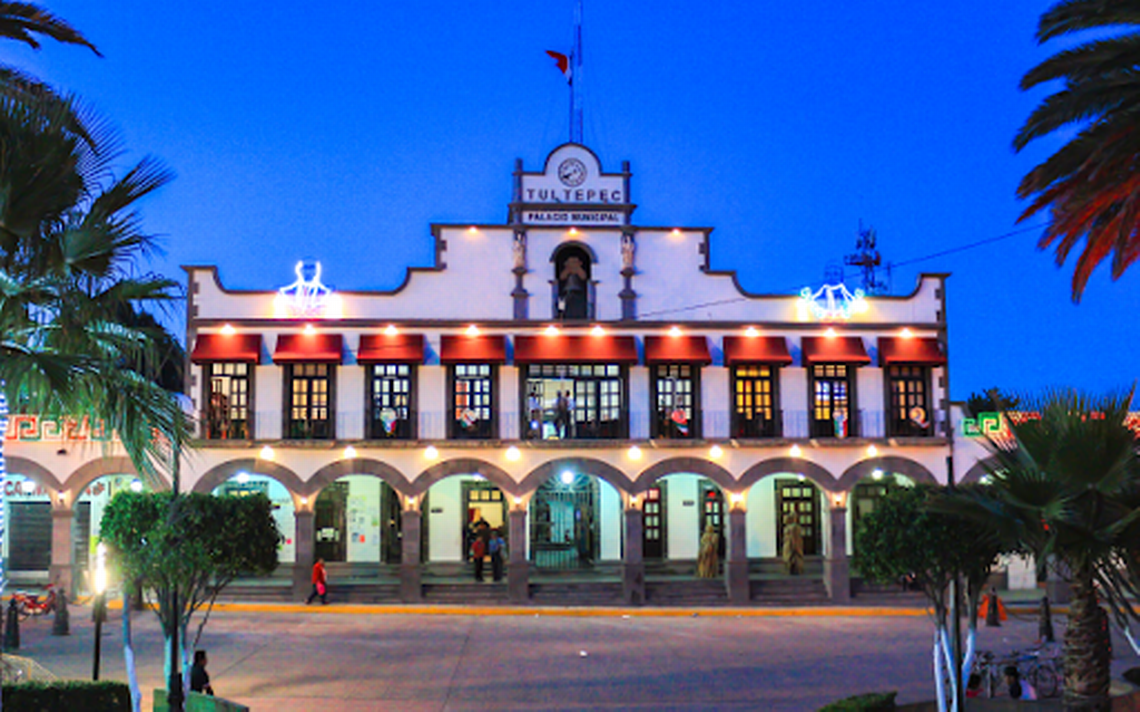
(339, 658)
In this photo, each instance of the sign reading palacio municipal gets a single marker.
(572, 190)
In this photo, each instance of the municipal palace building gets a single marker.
(546, 376)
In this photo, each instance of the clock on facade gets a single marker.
(572, 172)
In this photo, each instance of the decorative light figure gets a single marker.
(306, 297)
(833, 302)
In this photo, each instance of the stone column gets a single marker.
(60, 573)
(633, 574)
(836, 570)
(411, 589)
(736, 565)
(303, 553)
(518, 570)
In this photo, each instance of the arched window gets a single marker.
(573, 286)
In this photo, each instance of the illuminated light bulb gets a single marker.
(266, 453)
(567, 477)
(304, 500)
(877, 475)
(715, 451)
(830, 333)
(796, 451)
(28, 486)
(872, 451)
(430, 452)
(751, 331)
(309, 329)
(229, 330)
(472, 330)
(552, 330)
(350, 453)
(675, 331)
(800, 477)
(391, 330)
(573, 231)
(634, 452)
(736, 497)
(518, 500)
(478, 478)
(676, 231)
(598, 331)
(513, 453)
(242, 478)
(906, 333)
(136, 486)
(472, 230)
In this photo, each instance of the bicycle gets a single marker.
(1037, 665)
(29, 604)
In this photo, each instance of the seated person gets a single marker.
(199, 678)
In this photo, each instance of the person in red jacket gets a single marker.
(320, 583)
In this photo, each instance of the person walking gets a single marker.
(496, 547)
(320, 583)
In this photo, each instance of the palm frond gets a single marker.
(21, 21)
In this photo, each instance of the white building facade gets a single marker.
(586, 385)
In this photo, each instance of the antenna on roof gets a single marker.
(867, 259)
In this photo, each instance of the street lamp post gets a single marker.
(100, 610)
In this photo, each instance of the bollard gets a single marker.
(62, 623)
(12, 627)
(1045, 622)
(993, 619)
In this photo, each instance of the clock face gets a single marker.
(572, 172)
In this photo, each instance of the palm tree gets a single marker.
(1066, 487)
(1091, 185)
(22, 21)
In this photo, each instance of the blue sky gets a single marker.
(342, 130)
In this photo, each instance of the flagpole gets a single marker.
(575, 75)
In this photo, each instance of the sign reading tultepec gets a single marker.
(571, 190)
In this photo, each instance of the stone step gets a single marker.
(576, 594)
(460, 593)
(695, 592)
(788, 591)
(367, 593)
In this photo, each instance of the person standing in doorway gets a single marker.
(478, 551)
(561, 415)
(496, 547)
(320, 583)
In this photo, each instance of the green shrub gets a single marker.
(1133, 675)
(870, 702)
(68, 696)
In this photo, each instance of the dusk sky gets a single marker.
(341, 131)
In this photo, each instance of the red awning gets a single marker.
(227, 347)
(924, 351)
(562, 348)
(677, 349)
(756, 349)
(461, 348)
(391, 348)
(834, 349)
(309, 348)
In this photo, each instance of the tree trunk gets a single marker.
(1088, 655)
(129, 653)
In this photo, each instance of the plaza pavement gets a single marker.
(290, 658)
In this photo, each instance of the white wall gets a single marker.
(508, 402)
(715, 402)
(268, 399)
(683, 516)
(794, 401)
(610, 524)
(445, 519)
(432, 401)
(350, 399)
(638, 402)
(760, 519)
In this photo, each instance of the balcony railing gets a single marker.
(715, 425)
